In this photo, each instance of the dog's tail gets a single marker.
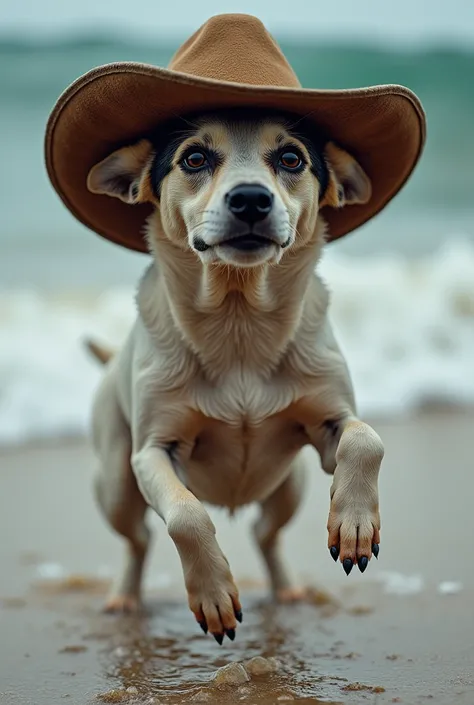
(103, 355)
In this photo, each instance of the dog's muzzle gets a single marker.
(250, 204)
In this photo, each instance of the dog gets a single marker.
(231, 367)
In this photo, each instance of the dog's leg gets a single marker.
(276, 512)
(212, 594)
(118, 495)
(124, 507)
(354, 452)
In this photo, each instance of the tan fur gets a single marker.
(354, 186)
(131, 163)
(230, 370)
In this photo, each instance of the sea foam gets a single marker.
(406, 328)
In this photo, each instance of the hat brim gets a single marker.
(383, 127)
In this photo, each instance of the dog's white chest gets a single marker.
(244, 397)
(245, 443)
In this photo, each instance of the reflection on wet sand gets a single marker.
(361, 646)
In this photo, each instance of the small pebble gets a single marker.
(73, 649)
(113, 696)
(361, 686)
(259, 666)
(360, 610)
(232, 674)
(244, 692)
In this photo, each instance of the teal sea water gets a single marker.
(403, 286)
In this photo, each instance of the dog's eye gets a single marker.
(195, 160)
(290, 161)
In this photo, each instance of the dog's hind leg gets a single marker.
(276, 511)
(119, 498)
(125, 511)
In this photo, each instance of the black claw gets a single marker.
(230, 633)
(203, 626)
(375, 549)
(238, 616)
(219, 638)
(334, 551)
(363, 563)
(347, 565)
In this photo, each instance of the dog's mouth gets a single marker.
(244, 243)
(247, 243)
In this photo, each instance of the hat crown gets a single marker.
(235, 48)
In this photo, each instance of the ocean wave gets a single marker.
(406, 328)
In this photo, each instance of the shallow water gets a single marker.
(179, 665)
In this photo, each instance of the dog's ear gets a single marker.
(348, 182)
(123, 173)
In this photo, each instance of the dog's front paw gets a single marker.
(354, 528)
(214, 600)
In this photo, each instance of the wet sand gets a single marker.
(56, 556)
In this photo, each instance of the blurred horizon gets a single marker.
(405, 22)
(93, 35)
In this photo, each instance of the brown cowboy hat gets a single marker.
(231, 61)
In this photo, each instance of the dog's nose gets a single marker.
(249, 202)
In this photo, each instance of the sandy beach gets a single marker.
(402, 632)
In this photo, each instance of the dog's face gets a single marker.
(238, 187)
